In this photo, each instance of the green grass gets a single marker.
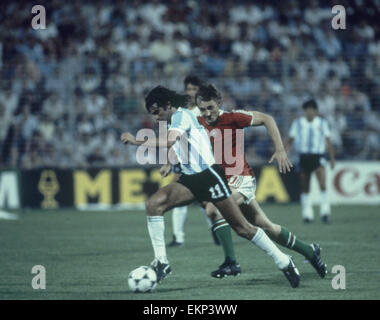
(88, 255)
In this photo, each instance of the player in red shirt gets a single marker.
(227, 142)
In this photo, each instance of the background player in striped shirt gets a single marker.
(241, 179)
(202, 180)
(311, 133)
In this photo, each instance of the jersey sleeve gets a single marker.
(179, 122)
(242, 118)
(195, 111)
(326, 129)
(293, 129)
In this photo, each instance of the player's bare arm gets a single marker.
(167, 167)
(259, 118)
(168, 142)
(161, 142)
(289, 144)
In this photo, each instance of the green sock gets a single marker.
(289, 240)
(223, 232)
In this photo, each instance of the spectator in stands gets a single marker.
(88, 72)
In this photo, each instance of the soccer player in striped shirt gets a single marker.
(202, 180)
(241, 178)
(192, 84)
(311, 134)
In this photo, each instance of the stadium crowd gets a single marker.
(68, 91)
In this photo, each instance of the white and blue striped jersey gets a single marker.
(193, 150)
(310, 137)
(195, 111)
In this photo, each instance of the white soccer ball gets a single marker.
(142, 279)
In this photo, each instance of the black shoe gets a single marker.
(175, 243)
(317, 262)
(228, 268)
(307, 221)
(216, 240)
(292, 274)
(326, 219)
(162, 269)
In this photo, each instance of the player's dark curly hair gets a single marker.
(311, 103)
(207, 93)
(162, 96)
(194, 80)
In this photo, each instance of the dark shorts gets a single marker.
(310, 162)
(209, 185)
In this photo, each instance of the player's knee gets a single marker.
(271, 229)
(267, 229)
(244, 231)
(155, 206)
(149, 207)
(212, 214)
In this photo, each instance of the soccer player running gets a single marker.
(241, 179)
(192, 84)
(220, 229)
(311, 133)
(202, 179)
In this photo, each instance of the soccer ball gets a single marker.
(142, 279)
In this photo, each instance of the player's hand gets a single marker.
(284, 164)
(165, 170)
(127, 137)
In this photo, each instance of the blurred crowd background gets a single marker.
(67, 92)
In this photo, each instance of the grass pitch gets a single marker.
(88, 255)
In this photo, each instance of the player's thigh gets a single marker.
(321, 177)
(243, 188)
(235, 218)
(239, 198)
(214, 214)
(173, 195)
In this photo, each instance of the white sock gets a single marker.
(307, 208)
(264, 243)
(179, 218)
(156, 228)
(325, 208)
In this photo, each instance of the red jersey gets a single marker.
(227, 139)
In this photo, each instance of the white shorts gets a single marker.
(245, 185)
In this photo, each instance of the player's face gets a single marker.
(310, 113)
(191, 90)
(209, 110)
(159, 114)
